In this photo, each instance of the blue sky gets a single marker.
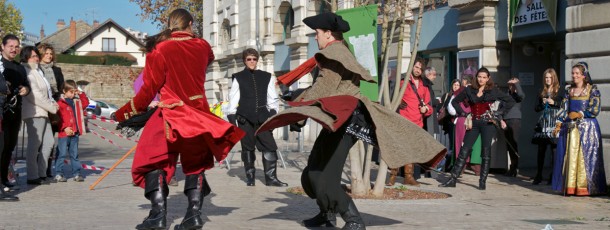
(46, 12)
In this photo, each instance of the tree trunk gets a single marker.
(393, 103)
(358, 187)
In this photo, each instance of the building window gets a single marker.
(108, 45)
(225, 32)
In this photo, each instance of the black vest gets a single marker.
(253, 95)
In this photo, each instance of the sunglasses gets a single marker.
(251, 59)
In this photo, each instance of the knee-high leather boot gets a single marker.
(409, 179)
(156, 191)
(392, 180)
(352, 218)
(324, 218)
(195, 188)
(457, 168)
(485, 160)
(270, 167)
(248, 157)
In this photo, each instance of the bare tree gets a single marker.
(393, 15)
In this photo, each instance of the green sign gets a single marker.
(362, 40)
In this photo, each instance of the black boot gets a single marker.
(324, 218)
(195, 188)
(248, 158)
(156, 191)
(270, 167)
(7, 197)
(485, 160)
(352, 218)
(457, 167)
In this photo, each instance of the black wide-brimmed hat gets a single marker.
(327, 21)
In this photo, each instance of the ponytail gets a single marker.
(152, 41)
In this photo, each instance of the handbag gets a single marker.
(543, 131)
(54, 119)
(468, 122)
(442, 113)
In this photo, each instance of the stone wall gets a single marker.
(588, 25)
(113, 84)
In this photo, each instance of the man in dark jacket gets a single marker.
(252, 100)
(18, 86)
(3, 93)
(512, 125)
(431, 124)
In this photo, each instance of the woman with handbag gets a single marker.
(55, 78)
(481, 95)
(548, 103)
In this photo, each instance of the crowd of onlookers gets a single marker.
(475, 111)
(33, 90)
(465, 120)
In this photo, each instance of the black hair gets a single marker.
(26, 53)
(9, 37)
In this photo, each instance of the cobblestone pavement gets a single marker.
(508, 203)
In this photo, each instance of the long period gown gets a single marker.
(579, 165)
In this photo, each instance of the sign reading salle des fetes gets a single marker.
(530, 11)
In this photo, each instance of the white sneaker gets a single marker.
(79, 178)
(60, 178)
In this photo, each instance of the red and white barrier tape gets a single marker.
(88, 167)
(107, 140)
(113, 133)
(103, 119)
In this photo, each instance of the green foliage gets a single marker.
(10, 19)
(93, 60)
(159, 10)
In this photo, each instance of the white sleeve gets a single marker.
(450, 108)
(273, 102)
(233, 98)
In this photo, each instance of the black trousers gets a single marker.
(513, 127)
(264, 141)
(321, 178)
(487, 131)
(11, 125)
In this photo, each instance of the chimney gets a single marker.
(72, 31)
(41, 32)
(60, 24)
(96, 23)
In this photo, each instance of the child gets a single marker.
(71, 112)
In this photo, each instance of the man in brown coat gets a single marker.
(334, 101)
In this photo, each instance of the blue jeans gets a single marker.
(67, 145)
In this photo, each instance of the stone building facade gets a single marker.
(587, 25)
(275, 29)
(112, 84)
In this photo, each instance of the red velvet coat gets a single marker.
(183, 123)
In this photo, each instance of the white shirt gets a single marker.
(273, 102)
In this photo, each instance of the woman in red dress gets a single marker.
(176, 64)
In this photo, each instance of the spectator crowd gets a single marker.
(33, 90)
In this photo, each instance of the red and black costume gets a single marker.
(482, 123)
(182, 124)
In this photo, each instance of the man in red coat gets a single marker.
(176, 64)
(415, 107)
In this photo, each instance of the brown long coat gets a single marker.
(399, 140)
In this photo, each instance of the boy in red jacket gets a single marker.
(71, 114)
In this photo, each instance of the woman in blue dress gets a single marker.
(579, 163)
